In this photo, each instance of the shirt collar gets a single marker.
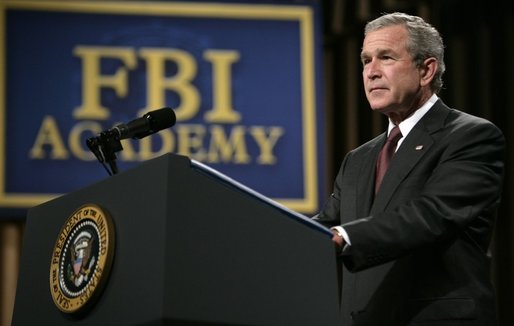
(409, 123)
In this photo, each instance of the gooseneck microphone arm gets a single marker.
(105, 145)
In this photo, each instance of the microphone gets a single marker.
(108, 142)
(148, 124)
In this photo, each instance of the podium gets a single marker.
(192, 247)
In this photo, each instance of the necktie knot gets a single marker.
(385, 155)
(394, 135)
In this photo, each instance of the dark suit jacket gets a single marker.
(419, 248)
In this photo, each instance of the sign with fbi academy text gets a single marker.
(243, 79)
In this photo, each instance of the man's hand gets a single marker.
(337, 238)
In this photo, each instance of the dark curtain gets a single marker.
(479, 79)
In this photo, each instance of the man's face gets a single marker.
(391, 78)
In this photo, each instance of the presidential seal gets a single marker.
(81, 259)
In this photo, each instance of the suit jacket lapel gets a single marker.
(416, 144)
(366, 184)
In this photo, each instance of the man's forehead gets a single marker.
(385, 40)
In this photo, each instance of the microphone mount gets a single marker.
(105, 146)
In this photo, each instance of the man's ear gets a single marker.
(427, 71)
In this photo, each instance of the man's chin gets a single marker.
(378, 108)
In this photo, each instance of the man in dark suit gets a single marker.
(415, 247)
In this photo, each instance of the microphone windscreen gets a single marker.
(162, 118)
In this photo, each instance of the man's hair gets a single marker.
(424, 41)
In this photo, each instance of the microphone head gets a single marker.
(161, 119)
(154, 121)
